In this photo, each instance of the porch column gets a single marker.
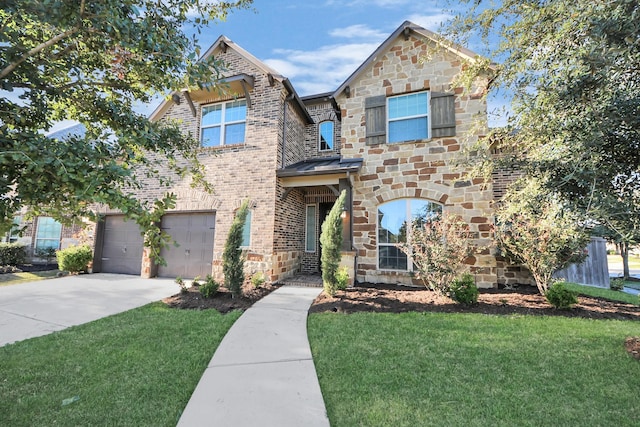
(347, 220)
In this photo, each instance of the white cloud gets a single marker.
(431, 22)
(358, 31)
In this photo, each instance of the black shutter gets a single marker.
(375, 117)
(443, 115)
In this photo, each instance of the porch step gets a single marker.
(303, 280)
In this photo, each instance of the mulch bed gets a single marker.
(221, 301)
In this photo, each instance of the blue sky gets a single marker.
(318, 44)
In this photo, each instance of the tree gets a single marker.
(572, 68)
(92, 62)
(534, 229)
(232, 256)
(438, 247)
(331, 241)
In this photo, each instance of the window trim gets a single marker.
(315, 228)
(223, 123)
(407, 215)
(59, 238)
(427, 115)
(333, 136)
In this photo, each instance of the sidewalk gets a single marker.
(262, 374)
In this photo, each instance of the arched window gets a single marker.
(394, 227)
(325, 136)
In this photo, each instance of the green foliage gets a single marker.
(209, 288)
(331, 241)
(342, 278)
(46, 253)
(439, 248)
(559, 296)
(74, 258)
(535, 229)
(181, 284)
(572, 67)
(232, 256)
(12, 254)
(616, 284)
(258, 279)
(92, 62)
(464, 290)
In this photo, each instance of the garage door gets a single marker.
(122, 246)
(194, 235)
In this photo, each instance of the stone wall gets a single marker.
(422, 169)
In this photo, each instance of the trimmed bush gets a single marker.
(560, 296)
(209, 288)
(12, 254)
(616, 284)
(464, 290)
(74, 258)
(331, 241)
(342, 278)
(258, 279)
(232, 256)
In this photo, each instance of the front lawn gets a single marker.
(441, 369)
(138, 368)
(609, 294)
(26, 276)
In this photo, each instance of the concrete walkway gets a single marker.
(38, 308)
(262, 374)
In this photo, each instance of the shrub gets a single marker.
(232, 256)
(560, 297)
(47, 254)
(74, 258)
(464, 290)
(342, 278)
(258, 279)
(183, 286)
(209, 288)
(331, 241)
(617, 284)
(12, 254)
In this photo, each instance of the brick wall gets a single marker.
(320, 112)
(423, 169)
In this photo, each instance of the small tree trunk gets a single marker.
(624, 253)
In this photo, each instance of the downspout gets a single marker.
(287, 99)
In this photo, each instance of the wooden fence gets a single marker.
(593, 271)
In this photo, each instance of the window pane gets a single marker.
(211, 137)
(235, 111)
(408, 130)
(423, 210)
(311, 229)
(211, 115)
(326, 136)
(48, 234)
(391, 222)
(408, 105)
(234, 134)
(246, 231)
(391, 258)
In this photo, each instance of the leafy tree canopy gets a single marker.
(572, 67)
(92, 61)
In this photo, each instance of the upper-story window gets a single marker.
(325, 136)
(223, 123)
(407, 117)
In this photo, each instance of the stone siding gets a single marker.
(422, 169)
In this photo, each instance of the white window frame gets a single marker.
(406, 215)
(59, 239)
(333, 136)
(223, 123)
(398, 119)
(306, 228)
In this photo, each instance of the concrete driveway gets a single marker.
(38, 308)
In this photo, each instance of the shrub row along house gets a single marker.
(388, 135)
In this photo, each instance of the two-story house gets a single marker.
(388, 136)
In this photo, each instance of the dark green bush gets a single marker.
(74, 258)
(617, 284)
(560, 297)
(12, 254)
(209, 288)
(464, 290)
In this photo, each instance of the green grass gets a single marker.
(593, 291)
(434, 369)
(632, 284)
(137, 368)
(22, 277)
